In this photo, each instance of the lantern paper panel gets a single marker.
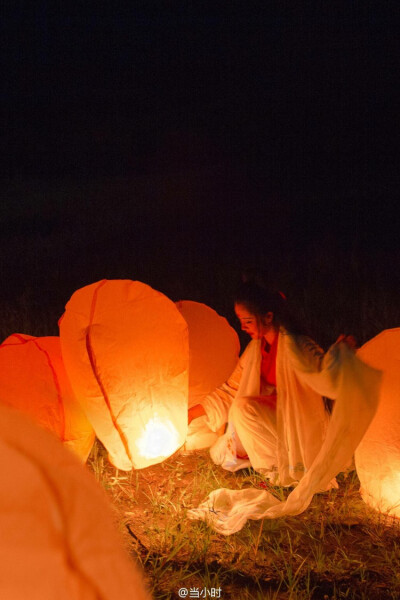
(214, 353)
(58, 537)
(34, 381)
(125, 347)
(214, 348)
(378, 455)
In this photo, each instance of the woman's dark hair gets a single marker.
(259, 301)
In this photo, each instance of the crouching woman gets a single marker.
(273, 401)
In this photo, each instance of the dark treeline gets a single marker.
(341, 275)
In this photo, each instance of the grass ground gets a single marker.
(338, 548)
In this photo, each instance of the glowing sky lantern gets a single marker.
(125, 347)
(214, 352)
(378, 456)
(33, 380)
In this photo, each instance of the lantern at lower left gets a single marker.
(58, 537)
(125, 347)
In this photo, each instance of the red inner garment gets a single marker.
(268, 367)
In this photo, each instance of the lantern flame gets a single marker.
(159, 439)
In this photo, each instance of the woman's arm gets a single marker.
(215, 406)
(316, 368)
(195, 412)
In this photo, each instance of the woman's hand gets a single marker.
(194, 412)
(349, 340)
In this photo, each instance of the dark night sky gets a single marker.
(239, 126)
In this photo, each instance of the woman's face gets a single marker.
(256, 328)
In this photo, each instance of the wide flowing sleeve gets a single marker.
(313, 367)
(218, 403)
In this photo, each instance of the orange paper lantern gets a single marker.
(214, 348)
(377, 457)
(58, 538)
(33, 380)
(214, 353)
(125, 347)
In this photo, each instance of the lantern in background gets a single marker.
(214, 353)
(33, 380)
(377, 457)
(125, 348)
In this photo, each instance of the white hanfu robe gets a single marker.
(280, 443)
(302, 373)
